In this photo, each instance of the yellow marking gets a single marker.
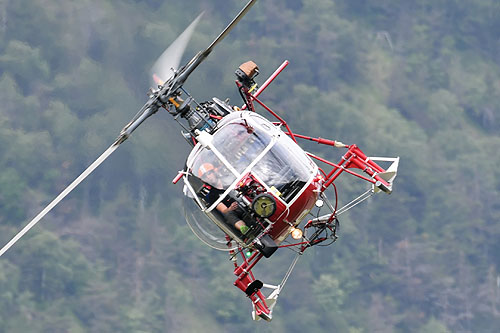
(275, 191)
(174, 102)
(253, 87)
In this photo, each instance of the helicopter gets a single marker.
(247, 184)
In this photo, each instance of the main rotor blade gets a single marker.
(202, 55)
(61, 196)
(231, 25)
(170, 59)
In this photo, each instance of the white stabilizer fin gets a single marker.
(391, 171)
(255, 317)
(270, 301)
(390, 174)
(273, 298)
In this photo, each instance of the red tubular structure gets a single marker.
(269, 80)
(318, 140)
(354, 158)
(246, 282)
(282, 121)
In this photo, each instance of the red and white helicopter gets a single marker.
(248, 185)
(242, 160)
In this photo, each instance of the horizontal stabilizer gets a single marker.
(389, 175)
(270, 302)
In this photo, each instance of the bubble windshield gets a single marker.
(285, 167)
(244, 143)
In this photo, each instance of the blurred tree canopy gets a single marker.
(419, 80)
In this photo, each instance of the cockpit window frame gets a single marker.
(261, 126)
(250, 119)
(274, 138)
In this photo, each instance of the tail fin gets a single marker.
(388, 176)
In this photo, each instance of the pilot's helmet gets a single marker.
(206, 169)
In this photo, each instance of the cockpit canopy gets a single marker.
(244, 144)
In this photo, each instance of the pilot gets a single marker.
(228, 207)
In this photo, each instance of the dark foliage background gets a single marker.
(416, 79)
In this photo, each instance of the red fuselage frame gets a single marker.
(354, 158)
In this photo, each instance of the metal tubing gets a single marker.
(318, 140)
(283, 122)
(339, 168)
(243, 271)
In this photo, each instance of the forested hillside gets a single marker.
(415, 79)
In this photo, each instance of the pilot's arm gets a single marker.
(225, 209)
